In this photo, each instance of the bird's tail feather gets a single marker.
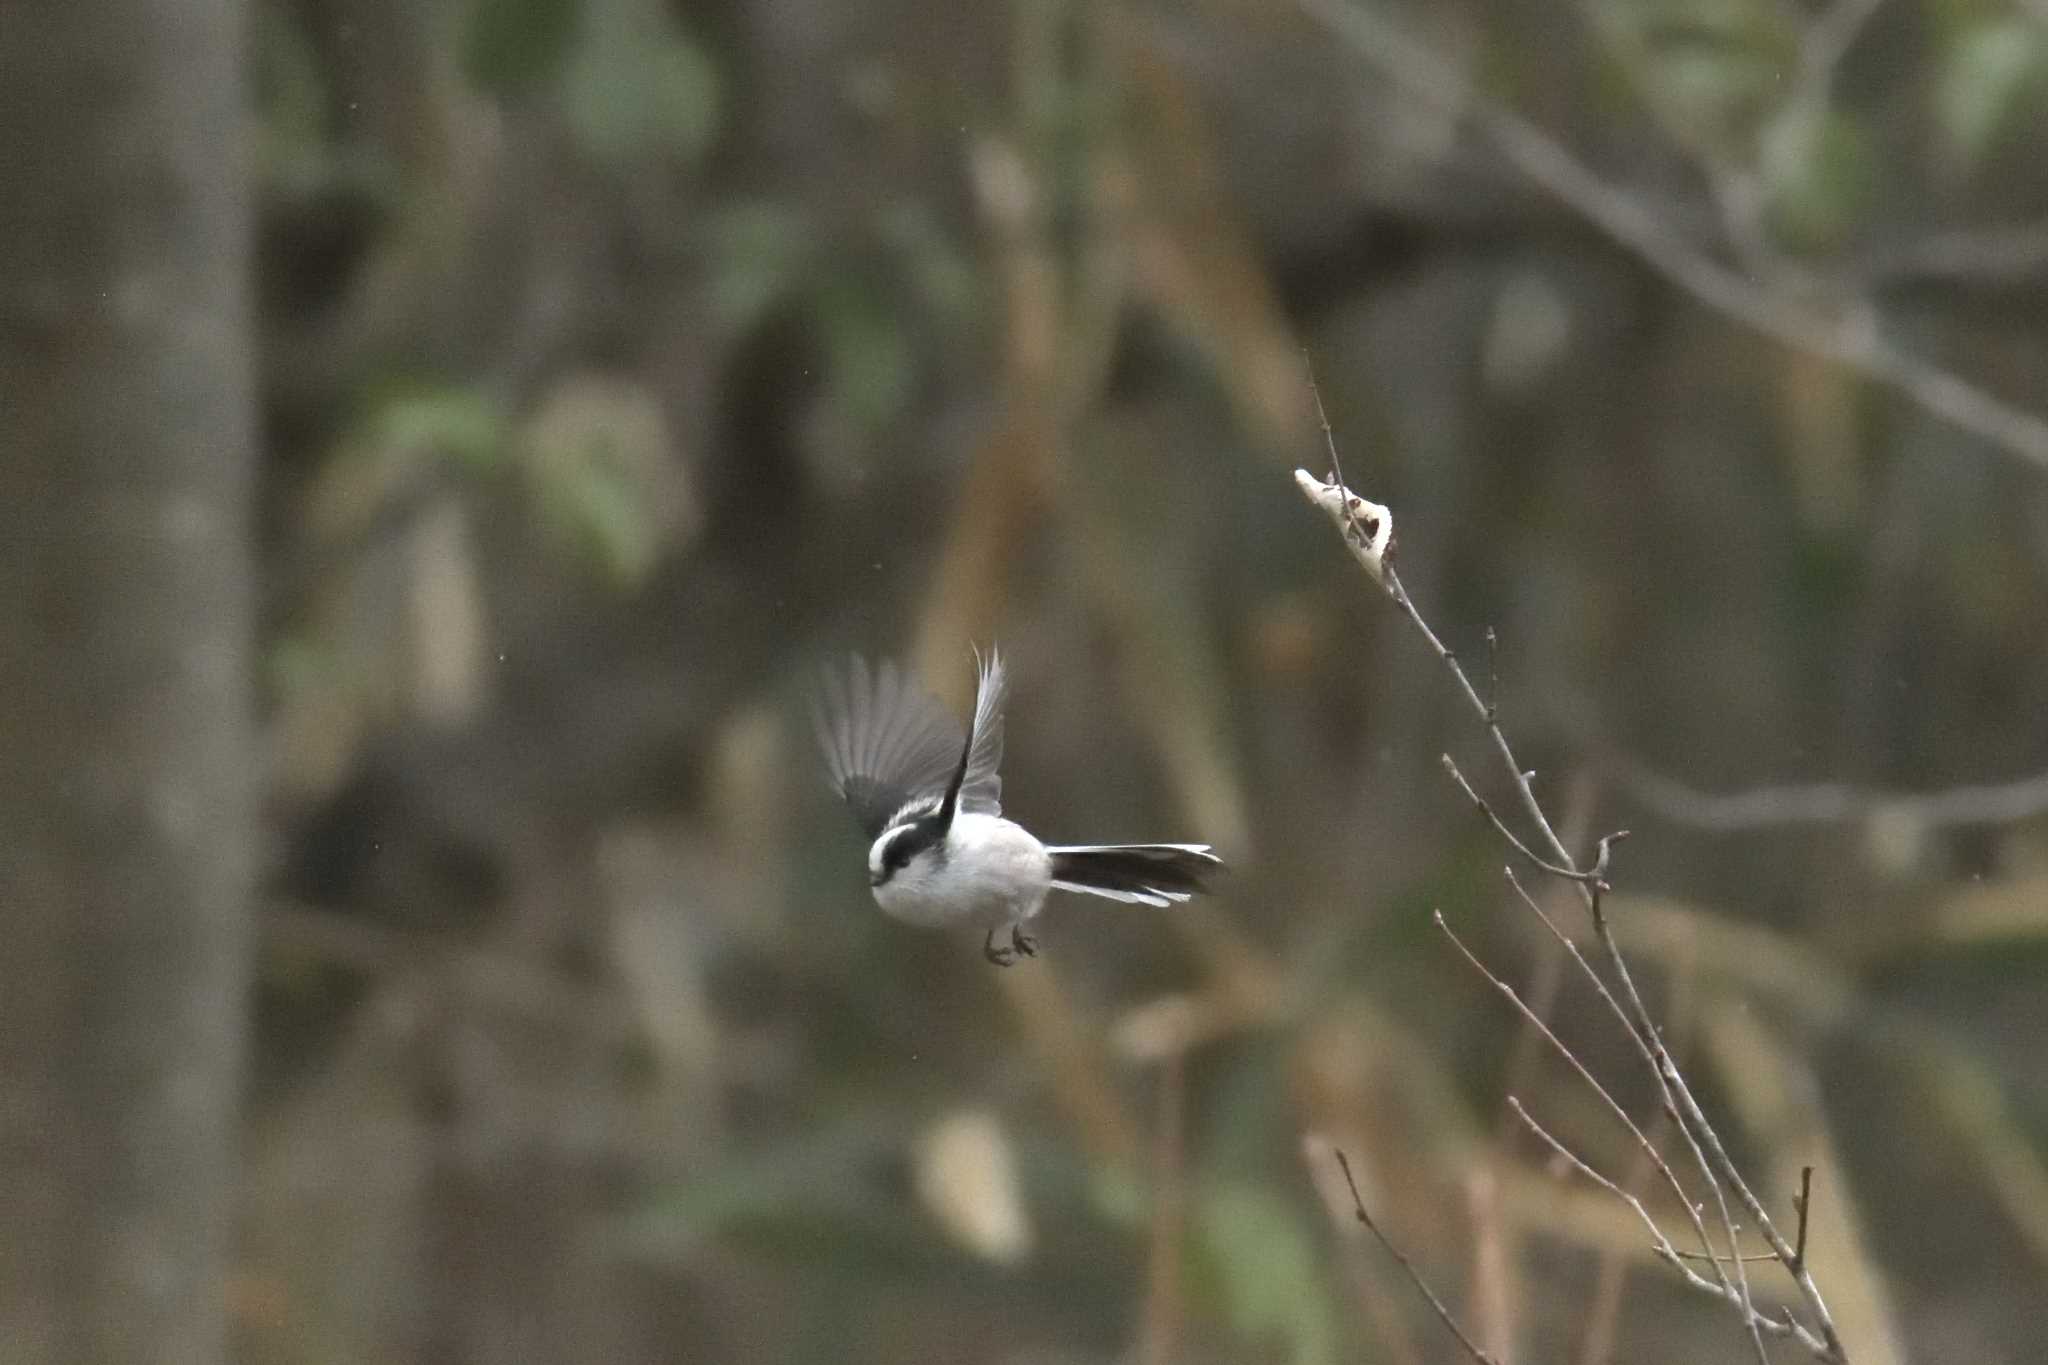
(1142, 874)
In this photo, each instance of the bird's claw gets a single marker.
(1021, 945)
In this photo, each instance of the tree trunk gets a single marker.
(126, 745)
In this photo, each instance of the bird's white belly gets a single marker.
(994, 873)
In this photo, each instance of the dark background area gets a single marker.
(439, 443)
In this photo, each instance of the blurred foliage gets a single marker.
(636, 87)
(1991, 71)
(512, 46)
(622, 359)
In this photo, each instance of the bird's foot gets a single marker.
(1002, 957)
(1023, 942)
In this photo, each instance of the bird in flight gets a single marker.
(930, 800)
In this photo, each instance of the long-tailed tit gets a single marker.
(930, 801)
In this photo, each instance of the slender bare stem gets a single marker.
(1375, 552)
(1414, 1275)
(1661, 1245)
(1569, 874)
(1543, 1030)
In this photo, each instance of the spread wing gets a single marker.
(888, 743)
(982, 791)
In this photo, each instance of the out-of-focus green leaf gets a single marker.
(291, 96)
(509, 46)
(945, 280)
(598, 458)
(870, 356)
(1710, 68)
(296, 661)
(1985, 74)
(454, 422)
(638, 86)
(812, 1179)
(759, 250)
(1714, 88)
(1819, 173)
(1266, 1269)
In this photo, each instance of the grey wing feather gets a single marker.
(982, 791)
(887, 742)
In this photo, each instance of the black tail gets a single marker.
(1144, 874)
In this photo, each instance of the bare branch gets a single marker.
(1676, 1259)
(1708, 1152)
(1492, 675)
(1847, 332)
(1569, 874)
(1643, 1143)
(1802, 1204)
(1414, 1275)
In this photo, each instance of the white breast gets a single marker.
(993, 873)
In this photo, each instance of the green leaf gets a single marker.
(759, 250)
(452, 422)
(1715, 89)
(1819, 173)
(510, 46)
(1984, 75)
(870, 358)
(638, 87)
(1266, 1267)
(291, 93)
(598, 459)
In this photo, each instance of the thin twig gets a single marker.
(1543, 1030)
(1570, 874)
(1704, 1142)
(1670, 1255)
(1751, 1258)
(1695, 1122)
(1414, 1275)
(1492, 675)
(1803, 1204)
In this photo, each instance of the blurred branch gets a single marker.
(1826, 42)
(1829, 803)
(1992, 255)
(1847, 332)
(1493, 1276)
(1159, 1341)
(1008, 489)
(1375, 553)
(498, 978)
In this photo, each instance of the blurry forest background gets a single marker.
(439, 442)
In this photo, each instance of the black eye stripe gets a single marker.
(906, 843)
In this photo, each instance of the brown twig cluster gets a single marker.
(1720, 1266)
